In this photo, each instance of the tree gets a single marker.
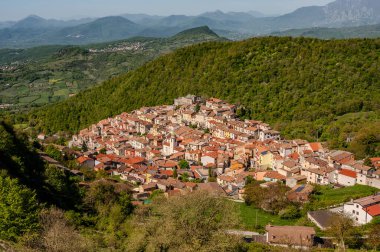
(254, 194)
(58, 235)
(211, 175)
(175, 173)
(53, 152)
(193, 222)
(290, 212)
(18, 209)
(341, 227)
(84, 147)
(183, 164)
(249, 180)
(184, 177)
(63, 184)
(197, 108)
(271, 199)
(374, 234)
(100, 193)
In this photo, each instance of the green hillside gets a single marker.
(46, 74)
(301, 86)
(196, 33)
(367, 31)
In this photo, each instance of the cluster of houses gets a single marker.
(125, 46)
(175, 147)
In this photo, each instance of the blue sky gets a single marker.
(66, 9)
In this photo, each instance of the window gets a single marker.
(353, 211)
(357, 213)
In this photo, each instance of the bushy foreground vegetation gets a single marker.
(307, 88)
(44, 208)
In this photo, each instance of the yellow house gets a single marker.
(148, 177)
(264, 157)
(235, 165)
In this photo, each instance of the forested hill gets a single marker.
(301, 86)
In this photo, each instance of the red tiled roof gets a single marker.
(294, 156)
(167, 172)
(211, 154)
(348, 173)
(274, 175)
(375, 162)
(315, 146)
(193, 167)
(190, 184)
(135, 160)
(373, 210)
(307, 151)
(83, 159)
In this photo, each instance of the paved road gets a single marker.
(242, 232)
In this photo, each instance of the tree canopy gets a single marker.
(299, 85)
(18, 209)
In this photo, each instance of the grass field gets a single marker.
(29, 99)
(248, 218)
(327, 196)
(62, 92)
(20, 126)
(44, 98)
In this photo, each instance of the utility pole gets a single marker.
(256, 219)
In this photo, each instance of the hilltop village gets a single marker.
(204, 138)
(198, 144)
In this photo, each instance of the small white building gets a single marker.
(347, 177)
(269, 134)
(363, 210)
(41, 136)
(209, 158)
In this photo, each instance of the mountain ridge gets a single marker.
(367, 31)
(233, 25)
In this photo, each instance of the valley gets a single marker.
(38, 76)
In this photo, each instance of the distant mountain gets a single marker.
(367, 31)
(349, 12)
(336, 14)
(142, 18)
(33, 30)
(229, 16)
(6, 24)
(204, 33)
(36, 22)
(102, 29)
(257, 14)
(31, 22)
